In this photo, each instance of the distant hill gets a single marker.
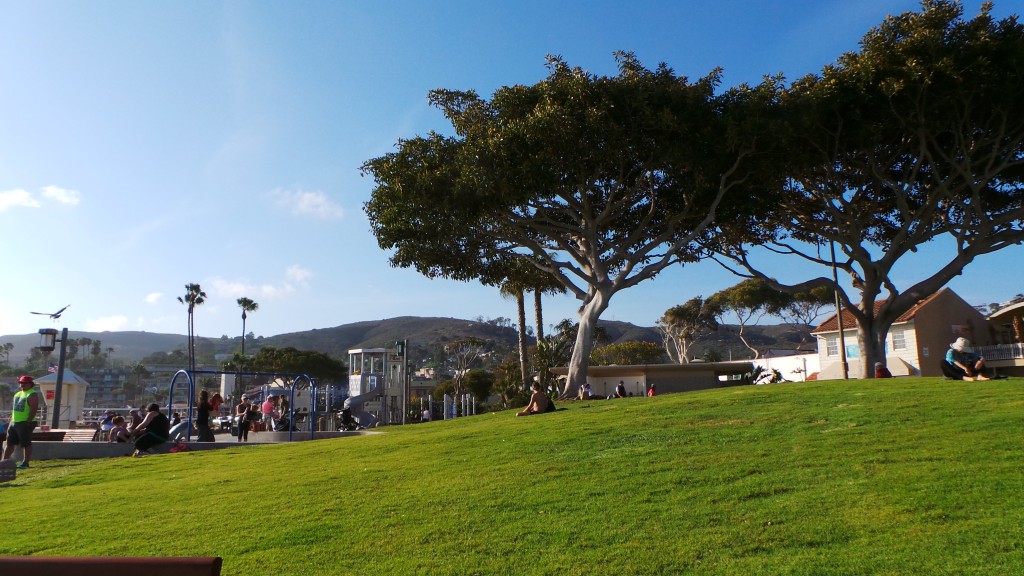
(128, 346)
(425, 336)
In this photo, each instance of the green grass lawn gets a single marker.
(904, 476)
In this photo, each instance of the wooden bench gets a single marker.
(80, 435)
(48, 436)
(73, 435)
(105, 566)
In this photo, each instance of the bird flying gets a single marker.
(54, 315)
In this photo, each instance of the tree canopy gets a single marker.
(601, 182)
(916, 137)
(683, 325)
(317, 365)
(749, 300)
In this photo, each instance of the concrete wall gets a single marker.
(84, 450)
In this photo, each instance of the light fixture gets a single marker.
(47, 339)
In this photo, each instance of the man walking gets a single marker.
(23, 420)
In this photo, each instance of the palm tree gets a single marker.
(512, 289)
(247, 305)
(194, 296)
(521, 277)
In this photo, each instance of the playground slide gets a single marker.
(355, 404)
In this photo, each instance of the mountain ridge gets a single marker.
(425, 334)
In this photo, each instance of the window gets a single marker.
(832, 345)
(899, 339)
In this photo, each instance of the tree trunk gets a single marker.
(521, 308)
(757, 353)
(540, 316)
(871, 340)
(590, 312)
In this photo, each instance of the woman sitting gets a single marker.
(539, 402)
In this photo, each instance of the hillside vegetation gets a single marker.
(425, 335)
(906, 476)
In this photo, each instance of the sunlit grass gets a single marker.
(905, 476)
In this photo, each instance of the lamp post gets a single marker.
(47, 341)
(839, 314)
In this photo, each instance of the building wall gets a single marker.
(945, 318)
(938, 323)
(831, 366)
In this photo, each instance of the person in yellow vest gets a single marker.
(23, 420)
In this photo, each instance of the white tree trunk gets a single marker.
(580, 361)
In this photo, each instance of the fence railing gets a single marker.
(1003, 351)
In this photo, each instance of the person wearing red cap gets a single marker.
(23, 420)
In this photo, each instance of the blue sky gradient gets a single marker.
(146, 145)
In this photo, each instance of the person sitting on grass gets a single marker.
(154, 430)
(963, 365)
(881, 371)
(539, 402)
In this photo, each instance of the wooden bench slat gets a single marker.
(105, 566)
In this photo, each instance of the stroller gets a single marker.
(284, 425)
(348, 423)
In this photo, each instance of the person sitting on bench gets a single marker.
(963, 365)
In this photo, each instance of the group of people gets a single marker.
(586, 392)
(271, 412)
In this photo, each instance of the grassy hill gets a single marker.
(905, 476)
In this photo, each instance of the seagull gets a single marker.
(53, 316)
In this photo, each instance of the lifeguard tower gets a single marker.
(375, 386)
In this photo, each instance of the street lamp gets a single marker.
(47, 341)
(839, 314)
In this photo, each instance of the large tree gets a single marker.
(601, 182)
(683, 325)
(749, 301)
(916, 137)
(465, 352)
(804, 309)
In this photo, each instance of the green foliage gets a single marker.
(907, 476)
(916, 137)
(749, 300)
(443, 388)
(681, 326)
(628, 353)
(317, 365)
(602, 182)
(479, 383)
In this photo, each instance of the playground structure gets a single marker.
(295, 382)
(377, 394)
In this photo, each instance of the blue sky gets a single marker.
(146, 145)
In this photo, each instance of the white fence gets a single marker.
(1002, 351)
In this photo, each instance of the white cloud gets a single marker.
(296, 278)
(17, 197)
(299, 274)
(106, 324)
(315, 204)
(62, 195)
(153, 298)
